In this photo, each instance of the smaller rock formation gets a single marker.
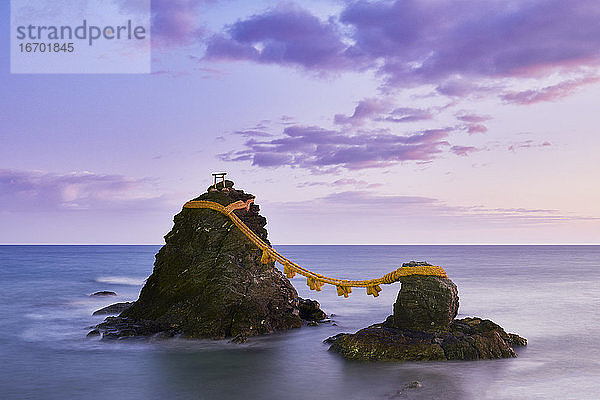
(424, 302)
(423, 328)
(310, 310)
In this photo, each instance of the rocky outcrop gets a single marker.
(113, 309)
(208, 280)
(424, 302)
(423, 328)
(310, 310)
(465, 339)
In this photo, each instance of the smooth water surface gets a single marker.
(548, 294)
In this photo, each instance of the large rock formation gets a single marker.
(208, 280)
(423, 328)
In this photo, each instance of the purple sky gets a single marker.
(374, 122)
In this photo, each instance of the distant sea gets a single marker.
(548, 294)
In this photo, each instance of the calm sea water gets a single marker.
(548, 294)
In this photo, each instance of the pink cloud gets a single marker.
(476, 128)
(366, 109)
(426, 208)
(528, 144)
(548, 93)
(316, 148)
(36, 190)
(472, 118)
(177, 22)
(286, 35)
(463, 48)
(463, 150)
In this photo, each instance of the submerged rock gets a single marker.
(398, 394)
(413, 385)
(209, 282)
(104, 293)
(423, 328)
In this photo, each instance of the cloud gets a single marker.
(408, 114)
(463, 150)
(473, 122)
(476, 128)
(170, 73)
(341, 183)
(527, 144)
(210, 73)
(466, 49)
(252, 133)
(459, 87)
(382, 110)
(426, 209)
(429, 42)
(366, 109)
(286, 35)
(371, 200)
(463, 48)
(315, 148)
(472, 118)
(548, 93)
(176, 22)
(36, 190)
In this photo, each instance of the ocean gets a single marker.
(547, 294)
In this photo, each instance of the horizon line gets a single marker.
(315, 244)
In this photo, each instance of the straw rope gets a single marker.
(313, 280)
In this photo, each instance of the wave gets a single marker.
(121, 280)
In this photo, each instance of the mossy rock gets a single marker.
(465, 339)
(208, 280)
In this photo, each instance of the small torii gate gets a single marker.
(219, 175)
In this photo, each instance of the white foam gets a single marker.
(121, 280)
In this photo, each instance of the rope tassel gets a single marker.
(314, 284)
(374, 290)
(267, 257)
(344, 290)
(288, 270)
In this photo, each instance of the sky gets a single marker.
(353, 122)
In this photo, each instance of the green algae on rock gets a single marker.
(465, 339)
